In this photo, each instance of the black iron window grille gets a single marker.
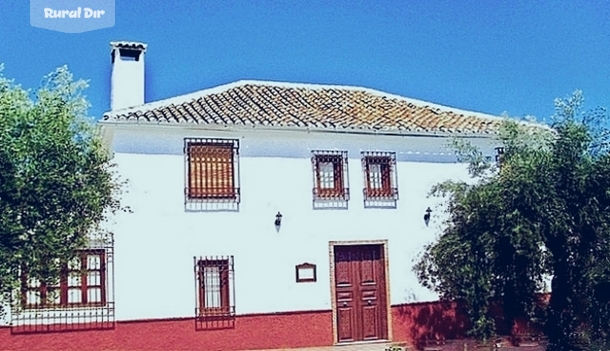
(215, 292)
(82, 299)
(380, 179)
(330, 179)
(211, 174)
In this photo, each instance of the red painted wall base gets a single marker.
(249, 332)
(264, 331)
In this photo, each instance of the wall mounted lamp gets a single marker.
(499, 154)
(427, 216)
(278, 219)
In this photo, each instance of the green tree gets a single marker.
(57, 184)
(543, 211)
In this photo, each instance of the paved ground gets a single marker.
(450, 346)
(353, 347)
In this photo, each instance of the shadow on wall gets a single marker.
(430, 321)
(521, 325)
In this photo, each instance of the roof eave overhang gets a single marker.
(320, 130)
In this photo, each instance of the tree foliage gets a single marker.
(56, 180)
(543, 211)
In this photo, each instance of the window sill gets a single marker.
(211, 205)
(380, 203)
(330, 204)
(215, 314)
(382, 198)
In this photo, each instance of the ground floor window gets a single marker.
(81, 299)
(215, 285)
(82, 283)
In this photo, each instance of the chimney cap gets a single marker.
(125, 44)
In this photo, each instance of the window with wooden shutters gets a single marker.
(331, 188)
(212, 171)
(379, 179)
(214, 276)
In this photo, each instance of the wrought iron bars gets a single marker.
(85, 300)
(211, 174)
(330, 179)
(380, 179)
(215, 291)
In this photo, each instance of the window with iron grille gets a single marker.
(212, 175)
(380, 181)
(82, 283)
(215, 286)
(330, 178)
(81, 299)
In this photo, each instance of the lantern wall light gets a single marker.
(427, 216)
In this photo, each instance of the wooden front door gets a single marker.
(360, 291)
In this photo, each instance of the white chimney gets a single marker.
(127, 80)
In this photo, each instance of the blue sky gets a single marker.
(488, 56)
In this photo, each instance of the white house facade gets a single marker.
(262, 206)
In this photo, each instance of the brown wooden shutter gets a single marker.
(338, 174)
(386, 184)
(367, 171)
(195, 188)
(201, 285)
(211, 171)
(224, 287)
(370, 190)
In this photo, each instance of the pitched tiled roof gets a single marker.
(307, 106)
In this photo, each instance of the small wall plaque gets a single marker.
(306, 273)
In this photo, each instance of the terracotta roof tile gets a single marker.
(305, 106)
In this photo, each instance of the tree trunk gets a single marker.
(509, 308)
(561, 325)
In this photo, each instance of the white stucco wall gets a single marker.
(155, 245)
(126, 81)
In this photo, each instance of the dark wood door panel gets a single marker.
(369, 291)
(370, 323)
(344, 262)
(360, 293)
(346, 324)
(346, 282)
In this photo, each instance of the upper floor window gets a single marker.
(380, 188)
(212, 174)
(331, 186)
(82, 283)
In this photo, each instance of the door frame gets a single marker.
(384, 249)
